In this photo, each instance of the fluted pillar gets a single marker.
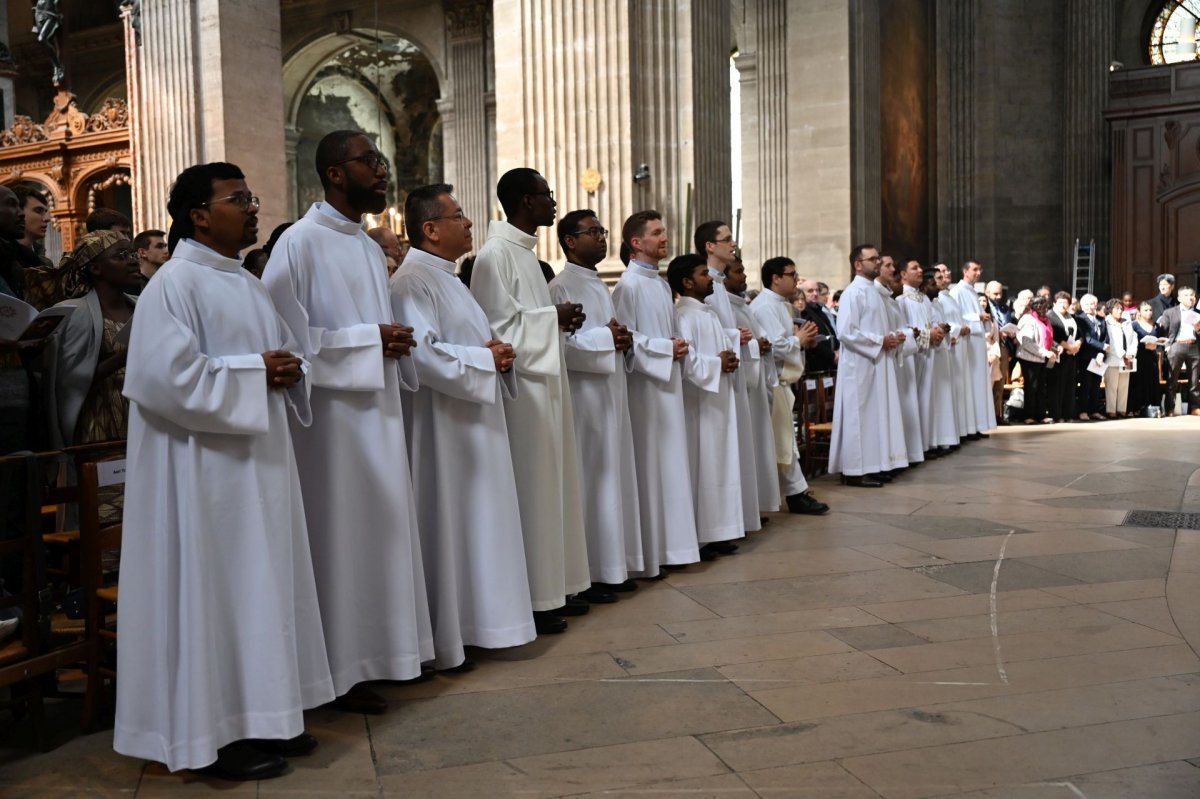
(866, 123)
(196, 103)
(466, 133)
(711, 45)
(956, 130)
(1087, 189)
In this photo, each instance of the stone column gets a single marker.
(464, 113)
(1087, 185)
(6, 83)
(711, 46)
(196, 103)
(291, 144)
(956, 131)
(866, 173)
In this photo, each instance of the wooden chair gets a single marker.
(63, 544)
(98, 540)
(819, 388)
(26, 659)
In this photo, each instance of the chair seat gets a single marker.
(61, 625)
(822, 427)
(13, 651)
(65, 537)
(108, 593)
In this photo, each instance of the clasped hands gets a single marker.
(397, 340)
(503, 354)
(570, 316)
(729, 361)
(893, 340)
(283, 369)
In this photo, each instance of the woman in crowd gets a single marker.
(1144, 388)
(1035, 351)
(1119, 360)
(85, 361)
(1063, 376)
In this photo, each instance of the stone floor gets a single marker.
(984, 627)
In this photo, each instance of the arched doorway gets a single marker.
(387, 88)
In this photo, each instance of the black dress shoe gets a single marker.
(546, 623)
(573, 607)
(596, 595)
(241, 761)
(806, 503)
(361, 699)
(723, 547)
(674, 567)
(461, 668)
(861, 481)
(882, 477)
(708, 555)
(762, 521)
(617, 588)
(302, 744)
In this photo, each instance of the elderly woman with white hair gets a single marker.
(1094, 333)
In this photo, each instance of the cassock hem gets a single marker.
(200, 752)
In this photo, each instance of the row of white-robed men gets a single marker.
(913, 374)
(272, 559)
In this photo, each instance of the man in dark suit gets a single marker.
(1165, 298)
(823, 356)
(1182, 349)
(1094, 333)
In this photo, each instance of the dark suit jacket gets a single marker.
(820, 357)
(1059, 329)
(1169, 323)
(1094, 335)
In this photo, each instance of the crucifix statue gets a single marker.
(47, 26)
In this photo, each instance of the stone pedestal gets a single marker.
(210, 88)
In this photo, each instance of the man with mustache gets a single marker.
(329, 282)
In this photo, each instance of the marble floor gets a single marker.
(984, 627)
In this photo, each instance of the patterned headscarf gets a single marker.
(73, 266)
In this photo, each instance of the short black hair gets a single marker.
(1063, 295)
(192, 189)
(635, 225)
(275, 234)
(333, 148)
(681, 267)
(514, 185)
(705, 233)
(142, 240)
(773, 267)
(26, 192)
(106, 219)
(251, 259)
(420, 206)
(569, 224)
(856, 253)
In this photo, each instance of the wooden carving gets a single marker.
(23, 131)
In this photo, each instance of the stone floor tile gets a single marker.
(504, 669)
(80, 793)
(752, 566)
(498, 725)
(954, 526)
(900, 555)
(1032, 758)
(977, 577)
(808, 702)
(655, 600)
(728, 786)
(1106, 567)
(838, 667)
(767, 624)
(878, 636)
(807, 781)
(1143, 536)
(679, 656)
(1110, 592)
(582, 639)
(1022, 545)
(1011, 516)
(850, 736)
(341, 762)
(1023, 646)
(964, 605)
(158, 783)
(827, 538)
(858, 588)
(1174, 780)
(1011, 622)
(1159, 500)
(1152, 612)
(86, 762)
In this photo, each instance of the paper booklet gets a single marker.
(1096, 365)
(1151, 340)
(1010, 329)
(1189, 317)
(20, 321)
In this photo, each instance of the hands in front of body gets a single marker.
(936, 335)
(503, 353)
(570, 316)
(764, 346)
(746, 335)
(283, 369)
(622, 338)
(807, 333)
(729, 361)
(892, 340)
(397, 340)
(681, 348)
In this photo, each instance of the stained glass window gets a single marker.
(1173, 37)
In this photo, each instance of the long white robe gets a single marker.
(600, 399)
(760, 377)
(866, 436)
(509, 286)
(474, 555)
(983, 405)
(943, 421)
(710, 416)
(908, 413)
(722, 302)
(774, 315)
(960, 366)
(936, 404)
(220, 631)
(643, 303)
(329, 281)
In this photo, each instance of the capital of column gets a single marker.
(466, 19)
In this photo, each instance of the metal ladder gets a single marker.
(1084, 265)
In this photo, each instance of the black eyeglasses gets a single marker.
(372, 160)
(787, 274)
(547, 193)
(594, 232)
(238, 199)
(723, 241)
(460, 217)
